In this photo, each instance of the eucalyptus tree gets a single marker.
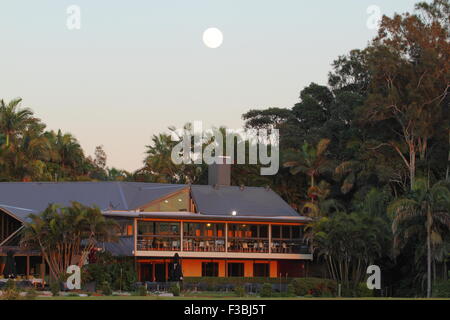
(409, 62)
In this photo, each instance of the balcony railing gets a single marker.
(248, 245)
(289, 246)
(203, 244)
(158, 243)
(211, 244)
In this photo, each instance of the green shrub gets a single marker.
(73, 294)
(213, 283)
(362, 291)
(239, 291)
(142, 291)
(55, 288)
(11, 291)
(175, 289)
(314, 286)
(441, 289)
(105, 288)
(291, 290)
(31, 294)
(119, 272)
(266, 290)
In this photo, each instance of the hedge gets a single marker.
(316, 287)
(441, 289)
(299, 286)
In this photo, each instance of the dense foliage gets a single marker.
(116, 273)
(66, 235)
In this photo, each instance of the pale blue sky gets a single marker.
(137, 67)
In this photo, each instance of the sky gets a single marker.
(135, 68)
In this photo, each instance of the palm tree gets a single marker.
(67, 235)
(321, 205)
(431, 203)
(13, 119)
(159, 161)
(66, 152)
(311, 160)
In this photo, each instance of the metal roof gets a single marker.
(123, 247)
(246, 201)
(22, 198)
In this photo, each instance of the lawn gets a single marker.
(216, 297)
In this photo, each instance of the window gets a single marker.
(288, 239)
(204, 236)
(276, 232)
(235, 269)
(125, 228)
(296, 232)
(204, 229)
(264, 231)
(210, 269)
(158, 228)
(261, 270)
(175, 203)
(286, 232)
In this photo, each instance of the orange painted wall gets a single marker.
(273, 269)
(193, 267)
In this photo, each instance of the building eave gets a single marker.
(199, 216)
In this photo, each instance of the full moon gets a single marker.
(212, 38)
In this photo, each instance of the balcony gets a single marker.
(219, 240)
(157, 243)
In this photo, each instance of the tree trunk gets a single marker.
(448, 159)
(412, 167)
(429, 253)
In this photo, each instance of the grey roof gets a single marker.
(22, 198)
(248, 201)
(123, 247)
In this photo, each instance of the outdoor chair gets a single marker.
(244, 246)
(261, 246)
(284, 246)
(274, 248)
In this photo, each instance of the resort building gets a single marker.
(217, 229)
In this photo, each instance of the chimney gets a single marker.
(219, 173)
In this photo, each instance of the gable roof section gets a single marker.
(22, 198)
(249, 201)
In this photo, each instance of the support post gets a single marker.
(28, 266)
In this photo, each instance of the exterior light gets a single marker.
(208, 224)
(233, 213)
(166, 201)
(179, 200)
